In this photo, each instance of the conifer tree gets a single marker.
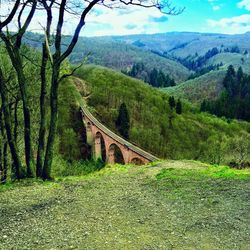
(153, 77)
(122, 122)
(178, 107)
(171, 102)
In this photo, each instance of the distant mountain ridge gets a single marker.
(185, 43)
(117, 55)
(177, 54)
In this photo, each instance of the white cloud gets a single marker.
(244, 4)
(216, 7)
(121, 24)
(103, 21)
(233, 25)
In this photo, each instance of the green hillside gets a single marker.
(235, 59)
(116, 55)
(193, 135)
(208, 86)
(182, 44)
(121, 56)
(161, 51)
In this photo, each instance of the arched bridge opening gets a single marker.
(115, 155)
(137, 161)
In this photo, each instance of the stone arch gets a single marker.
(99, 147)
(137, 161)
(115, 154)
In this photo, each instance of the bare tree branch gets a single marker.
(10, 16)
(23, 29)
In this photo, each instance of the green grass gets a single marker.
(223, 172)
(128, 207)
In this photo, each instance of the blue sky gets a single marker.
(213, 16)
(220, 16)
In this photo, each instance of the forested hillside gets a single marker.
(154, 125)
(180, 56)
(117, 55)
(208, 86)
(174, 135)
(234, 101)
(182, 44)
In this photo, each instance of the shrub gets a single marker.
(62, 167)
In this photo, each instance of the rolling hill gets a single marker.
(208, 86)
(163, 52)
(235, 59)
(192, 135)
(182, 44)
(116, 55)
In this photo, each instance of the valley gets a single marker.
(118, 132)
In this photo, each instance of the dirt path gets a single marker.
(126, 209)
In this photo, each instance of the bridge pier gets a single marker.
(110, 155)
(97, 147)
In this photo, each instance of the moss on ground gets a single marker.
(172, 205)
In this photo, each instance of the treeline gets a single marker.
(234, 102)
(196, 63)
(154, 77)
(204, 71)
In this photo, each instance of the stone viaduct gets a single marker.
(98, 134)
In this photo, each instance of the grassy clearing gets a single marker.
(171, 205)
(208, 172)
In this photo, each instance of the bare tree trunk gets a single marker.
(42, 130)
(16, 119)
(2, 141)
(53, 122)
(5, 162)
(13, 45)
(17, 63)
(7, 123)
(26, 113)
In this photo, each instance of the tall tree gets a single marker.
(58, 56)
(153, 77)
(171, 102)
(43, 92)
(6, 122)
(122, 121)
(13, 44)
(178, 107)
